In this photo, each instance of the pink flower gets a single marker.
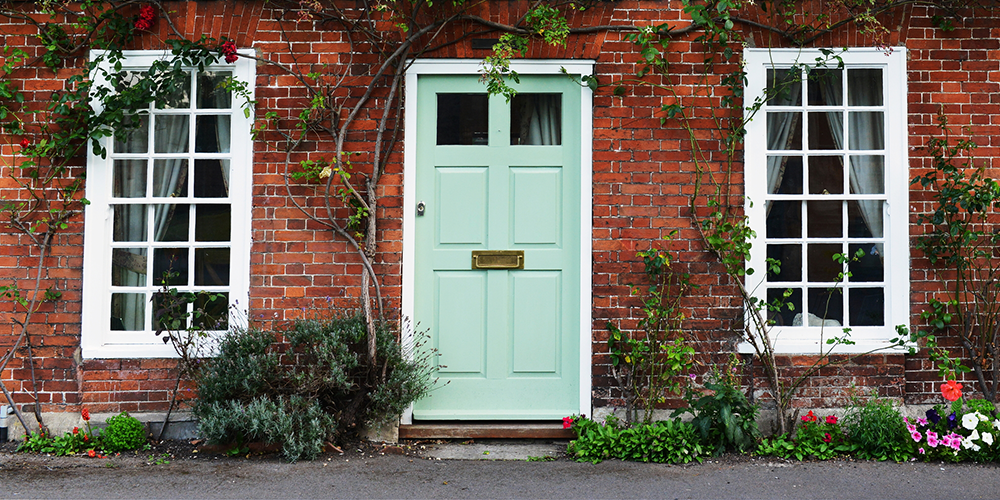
(916, 436)
(921, 421)
(911, 428)
(921, 450)
(567, 422)
(932, 439)
(831, 419)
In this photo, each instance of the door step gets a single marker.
(526, 430)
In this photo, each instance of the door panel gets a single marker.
(507, 340)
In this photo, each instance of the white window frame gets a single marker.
(97, 338)
(806, 339)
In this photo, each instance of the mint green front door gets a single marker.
(502, 179)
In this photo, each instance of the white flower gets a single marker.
(974, 436)
(996, 424)
(970, 420)
(988, 438)
(327, 171)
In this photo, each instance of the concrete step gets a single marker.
(485, 430)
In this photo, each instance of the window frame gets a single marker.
(97, 339)
(807, 339)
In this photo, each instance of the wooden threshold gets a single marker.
(485, 430)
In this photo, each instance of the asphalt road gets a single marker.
(394, 476)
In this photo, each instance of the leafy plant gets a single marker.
(664, 441)
(877, 430)
(123, 433)
(724, 417)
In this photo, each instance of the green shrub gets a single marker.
(665, 441)
(877, 431)
(123, 433)
(316, 386)
(724, 418)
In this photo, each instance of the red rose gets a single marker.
(146, 16)
(229, 50)
(25, 142)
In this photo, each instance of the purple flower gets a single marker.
(933, 416)
(952, 421)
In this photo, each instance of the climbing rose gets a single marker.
(229, 50)
(145, 21)
(25, 143)
(85, 413)
(951, 390)
(567, 422)
(831, 419)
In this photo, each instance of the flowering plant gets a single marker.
(822, 438)
(145, 20)
(956, 433)
(228, 50)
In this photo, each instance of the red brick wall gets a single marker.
(643, 176)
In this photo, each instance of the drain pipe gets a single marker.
(4, 411)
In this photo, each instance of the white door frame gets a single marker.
(575, 68)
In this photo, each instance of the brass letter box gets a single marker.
(498, 259)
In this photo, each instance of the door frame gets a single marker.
(575, 68)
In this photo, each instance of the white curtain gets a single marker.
(541, 120)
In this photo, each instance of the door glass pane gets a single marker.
(826, 130)
(212, 134)
(825, 219)
(129, 223)
(170, 222)
(784, 87)
(784, 219)
(789, 258)
(211, 178)
(869, 267)
(536, 119)
(211, 266)
(129, 179)
(864, 87)
(867, 306)
(178, 92)
(789, 307)
(128, 267)
(171, 134)
(826, 308)
(210, 95)
(130, 139)
(784, 174)
(784, 131)
(462, 119)
(170, 265)
(128, 311)
(212, 223)
(826, 87)
(822, 267)
(867, 174)
(826, 175)
(866, 129)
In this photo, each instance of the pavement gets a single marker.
(476, 470)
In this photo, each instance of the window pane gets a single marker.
(212, 223)
(170, 178)
(130, 139)
(462, 119)
(784, 131)
(784, 87)
(215, 309)
(870, 266)
(822, 267)
(867, 174)
(826, 87)
(536, 119)
(210, 95)
(784, 219)
(784, 174)
(170, 265)
(867, 130)
(211, 266)
(867, 306)
(790, 259)
(864, 219)
(212, 134)
(826, 175)
(169, 311)
(826, 130)
(171, 134)
(826, 308)
(128, 267)
(170, 222)
(129, 223)
(864, 87)
(128, 311)
(178, 91)
(789, 307)
(825, 219)
(129, 179)
(211, 178)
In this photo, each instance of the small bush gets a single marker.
(821, 438)
(300, 426)
(877, 431)
(724, 417)
(123, 433)
(665, 441)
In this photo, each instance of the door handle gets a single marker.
(498, 259)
